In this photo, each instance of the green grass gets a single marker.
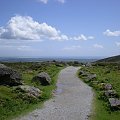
(12, 103)
(107, 73)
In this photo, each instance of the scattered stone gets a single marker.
(9, 76)
(108, 86)
(43, 78)
(30, 90)
(88, 64)
(110, 93)
(81, 72)
(114, 102)
(91, 77)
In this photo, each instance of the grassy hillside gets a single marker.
(110, 59)
(11, 102)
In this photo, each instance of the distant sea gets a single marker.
(41, 59)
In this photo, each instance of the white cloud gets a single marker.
(61, 1)
(110, 33)
(118, 44)
(82, 37)
(98, 46)
(74, 47)
(25, 28)
(43, 1)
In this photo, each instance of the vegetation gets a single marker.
(106, 73)
(111, 59)
(13, 102)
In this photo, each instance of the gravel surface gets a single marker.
(72, 100)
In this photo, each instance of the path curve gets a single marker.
(72, 101)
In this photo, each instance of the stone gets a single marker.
(91, 76)
(30, 90)
(88, 64)
(43, 78)
(81, 72)
(9, 76)
(110, 93)
(108, 86)
(114, 102)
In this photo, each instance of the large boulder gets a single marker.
(30, 90)
(9, 76)
(43, 78)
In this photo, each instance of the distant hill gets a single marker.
(111, 59)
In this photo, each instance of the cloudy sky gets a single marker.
(34, 28)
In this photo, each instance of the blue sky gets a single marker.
(34, 28)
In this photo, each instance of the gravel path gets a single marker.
(72, 100)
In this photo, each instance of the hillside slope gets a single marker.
(110, 59)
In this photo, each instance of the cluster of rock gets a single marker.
(10, 77)
(110, 94)
(88, 76)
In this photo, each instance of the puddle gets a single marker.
(59, 89)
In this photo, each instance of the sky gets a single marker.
(54, 28)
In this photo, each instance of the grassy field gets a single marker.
(11, 102)
(107, 73)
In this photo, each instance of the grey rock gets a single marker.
(114, 102)
(9, 76)
(43, 78)
(91, 76)
(30, 90)
(81, 72)
(110, 93)
(88, 64)
(108, 86)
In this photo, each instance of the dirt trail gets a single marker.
(72, 100)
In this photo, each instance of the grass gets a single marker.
(14, 103)
(107, 73)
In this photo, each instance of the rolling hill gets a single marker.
(111, 59)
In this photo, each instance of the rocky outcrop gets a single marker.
(43, 78)
(9, 76)
(30, 90)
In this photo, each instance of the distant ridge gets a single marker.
(110, 59)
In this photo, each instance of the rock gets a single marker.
(108, 86)
(88, 64)
(30, 90)
(9, 76)
(43, 78)
(110, 93)
(92, 76)
(81, 72)
(114, 102)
